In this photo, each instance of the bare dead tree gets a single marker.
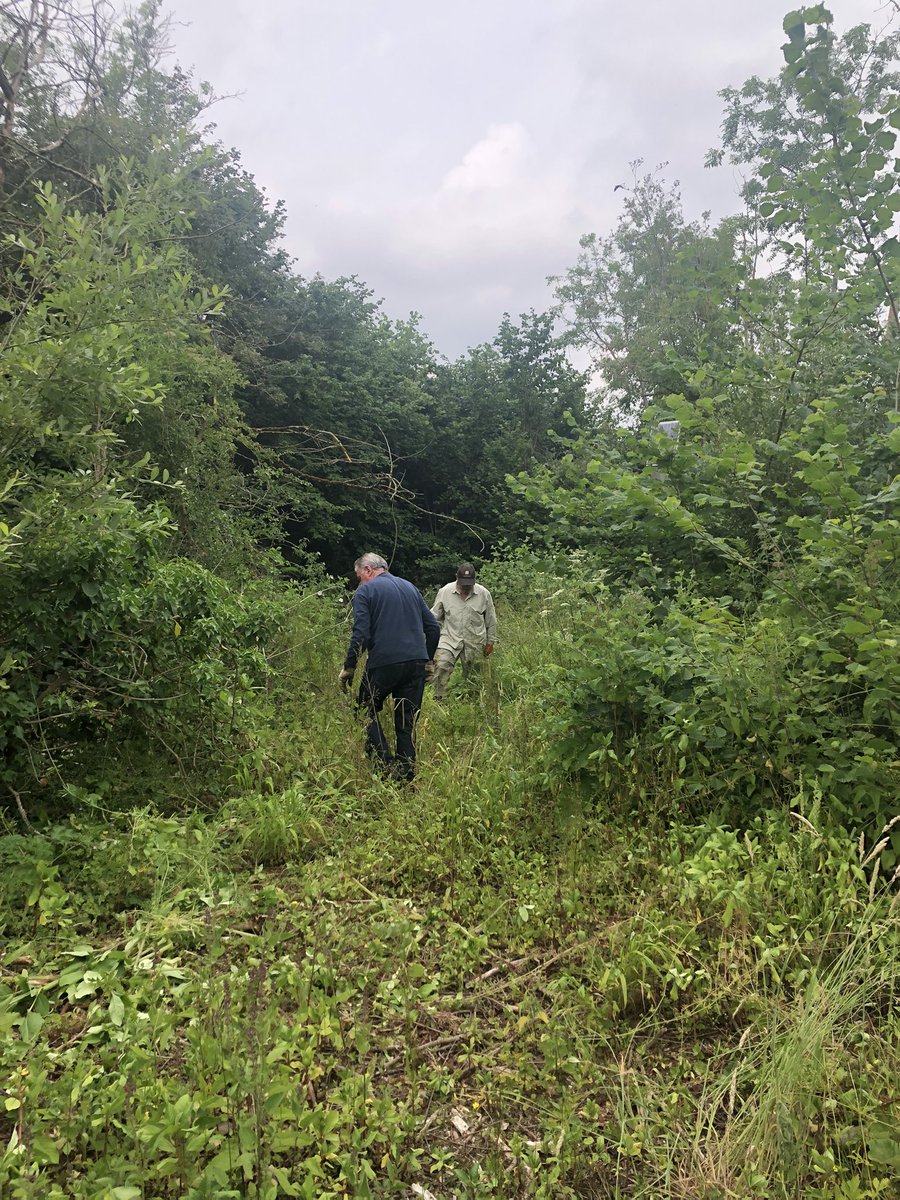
(344, 461)
(52, 58)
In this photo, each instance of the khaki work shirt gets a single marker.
(466, 625)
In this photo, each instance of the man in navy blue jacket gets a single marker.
(398, 629)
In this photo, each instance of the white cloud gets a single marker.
(480, 242)
(496, 161)
(504, 201)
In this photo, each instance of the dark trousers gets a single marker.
(406, 683)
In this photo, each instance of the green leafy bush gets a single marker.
(107, 640)
(705, 706)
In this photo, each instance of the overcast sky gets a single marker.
(451, 153)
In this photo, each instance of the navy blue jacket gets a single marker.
(392, 622)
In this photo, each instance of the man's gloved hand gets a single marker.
(488, 649)
(429, 671)
(345, 679)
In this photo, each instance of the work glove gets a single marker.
(345, 679)
(429, 671)
(488, 649)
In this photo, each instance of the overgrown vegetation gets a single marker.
(493, 985)
(635, 930)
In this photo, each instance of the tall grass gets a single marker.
(804, 1071)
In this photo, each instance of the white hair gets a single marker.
(375, 561)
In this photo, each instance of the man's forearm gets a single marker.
(490, 626)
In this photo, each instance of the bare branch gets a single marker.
(55, 52)
(18, 799)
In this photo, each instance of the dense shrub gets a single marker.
(698, 703)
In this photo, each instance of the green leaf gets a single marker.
(30, 1026)
(45, 1149)
(116, 1009)
(884, 1145)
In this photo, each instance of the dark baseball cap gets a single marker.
(466, 572)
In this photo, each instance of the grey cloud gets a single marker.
(451, 155)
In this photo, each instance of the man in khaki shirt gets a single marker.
(465, 613)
